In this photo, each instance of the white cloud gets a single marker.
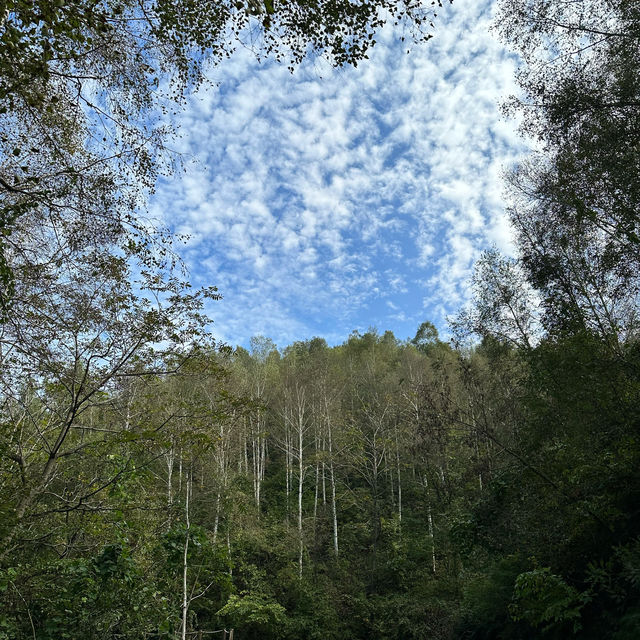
(333, 199)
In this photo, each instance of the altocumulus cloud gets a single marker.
(331, 200)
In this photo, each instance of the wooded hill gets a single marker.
(376, 489)
(156, 485)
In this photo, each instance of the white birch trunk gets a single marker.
(317, 488)
(399, 479)
(170, 460)
(430, 524)
(287, 454)
(263, 460)
(433, 541)
(216, 520)
(324, 479)
(300, 484)
(185, 565)
(332, 482)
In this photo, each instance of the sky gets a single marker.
(332, 200)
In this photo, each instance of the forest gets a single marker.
(155, 484)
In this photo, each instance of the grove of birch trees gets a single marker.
(156, 485)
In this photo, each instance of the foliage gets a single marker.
(152, 484)
(575, 203)
(84, 87)
(254, 615)
(545, 599)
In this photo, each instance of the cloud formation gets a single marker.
(331, 200)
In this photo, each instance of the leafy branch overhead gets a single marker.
(85, 86)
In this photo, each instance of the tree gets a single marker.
(503, 306)
(574, 207)
(73, 336)
(587, 280)
(84, 85)
(575, 204)
(426, 336)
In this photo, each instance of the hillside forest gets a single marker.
(155, 484)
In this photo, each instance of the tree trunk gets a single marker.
(170, 461)
(287, 455)
(399, 479)
(332, 481)
(185, 565)
(300, 486)
(216, 520)
(317, 488)
(430, 523)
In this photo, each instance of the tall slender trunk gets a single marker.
(317, 488)
(258, 448)
(245, 450)
(430, 524)
(433, 541)
(263, 460)
(375, 534)
(332, 482)
(399, 479)
(300, 484)
(389, 473)
(185, 565)
(287, 455)
(216, 520)
(254, 464)
(478, 461)
(170, 461)
(324, 479)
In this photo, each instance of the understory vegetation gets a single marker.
(154, 484)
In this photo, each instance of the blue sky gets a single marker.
(339, 199)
